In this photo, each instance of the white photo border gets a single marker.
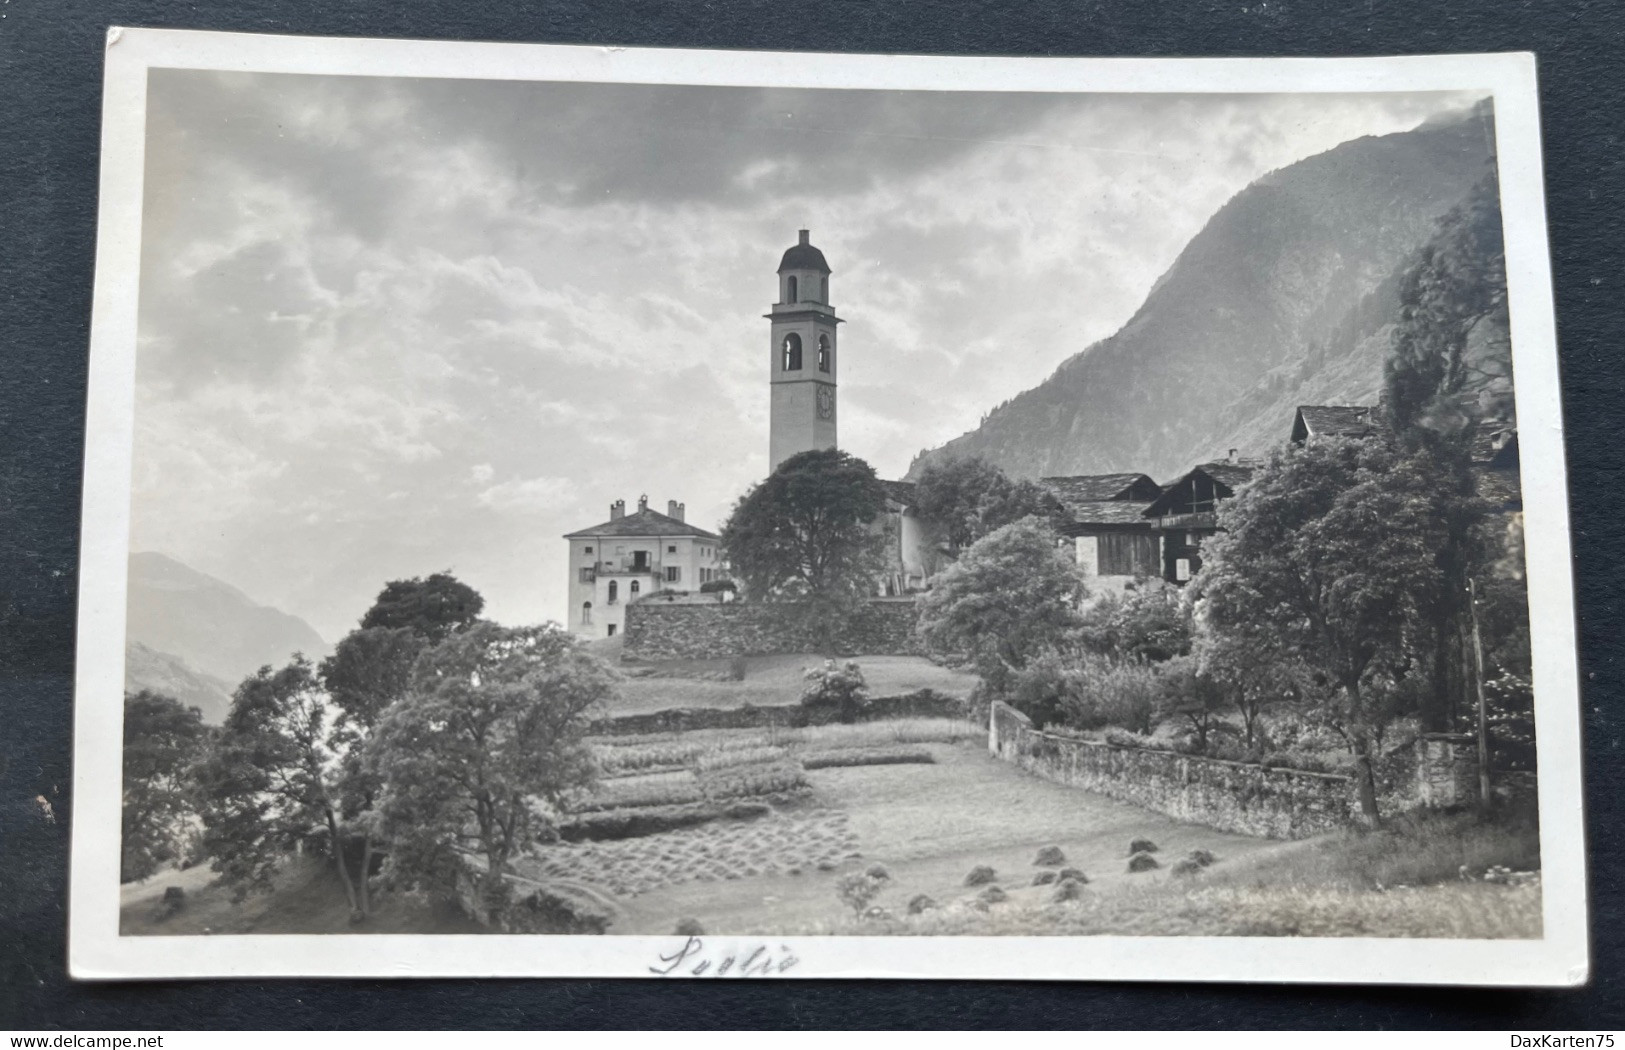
(98, 952)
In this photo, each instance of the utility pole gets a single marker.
(1483, 708)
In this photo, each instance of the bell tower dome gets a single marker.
(801, 356)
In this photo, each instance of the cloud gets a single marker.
(528, 494)
(389, 326)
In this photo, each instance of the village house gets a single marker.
(1186, 513)
(1322, 421)
(1112, 539)
(633, 555)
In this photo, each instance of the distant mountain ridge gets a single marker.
(1285, 297)
(146, 668)
(208, 626)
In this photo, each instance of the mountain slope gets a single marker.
(1282, 299)
(146, 668)
(209, 625)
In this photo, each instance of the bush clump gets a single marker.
(1049, 857)
(980, 875)
(835, 692)
(858, 889)
(1142, 862)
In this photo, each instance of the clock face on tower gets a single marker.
(826, 402)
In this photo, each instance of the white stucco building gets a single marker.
(632, 555)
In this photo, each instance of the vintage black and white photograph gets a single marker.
(772, 520)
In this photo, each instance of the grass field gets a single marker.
(776, 680)
(308, 899)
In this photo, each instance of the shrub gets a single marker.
(1116, 693)
(1341, 763)
(1047, 689)
(1149, 623)
(980, 875)
(834, 692)
(858, 888)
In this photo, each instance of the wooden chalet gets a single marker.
(1318, 421)
(1186, 513)
(1112, 539)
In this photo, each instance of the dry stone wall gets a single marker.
(657, 629)
(1231, 796)
(923, 703)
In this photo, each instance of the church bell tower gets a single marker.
(802, 362)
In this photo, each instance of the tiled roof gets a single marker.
(1229, 475)
(1108, 512)
(1086, 488)
(644, 523)
(1338, 420)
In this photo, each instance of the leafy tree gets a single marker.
(971, 497)
(1452, 298)
(271, 778)
(369, 670)
(162, 738)
(837, 689)
(1013, 595)
(433, 607)
(1150, 623)
(807, 535)
(490, 733)
(1328, 557)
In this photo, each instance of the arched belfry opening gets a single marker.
(803, 407)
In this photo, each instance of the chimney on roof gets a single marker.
(804, 236)
(674, 509)
(617, 510)
(1233, 455)
(643, 503)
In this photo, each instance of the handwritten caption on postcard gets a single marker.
(695, 959)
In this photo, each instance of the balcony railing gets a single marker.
(627, 567)
(1205, 519)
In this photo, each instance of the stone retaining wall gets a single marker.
(692, 630)
(1231, 796)
(924, 703)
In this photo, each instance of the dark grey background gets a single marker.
(50, 82)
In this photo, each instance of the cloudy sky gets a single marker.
(395, 326)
